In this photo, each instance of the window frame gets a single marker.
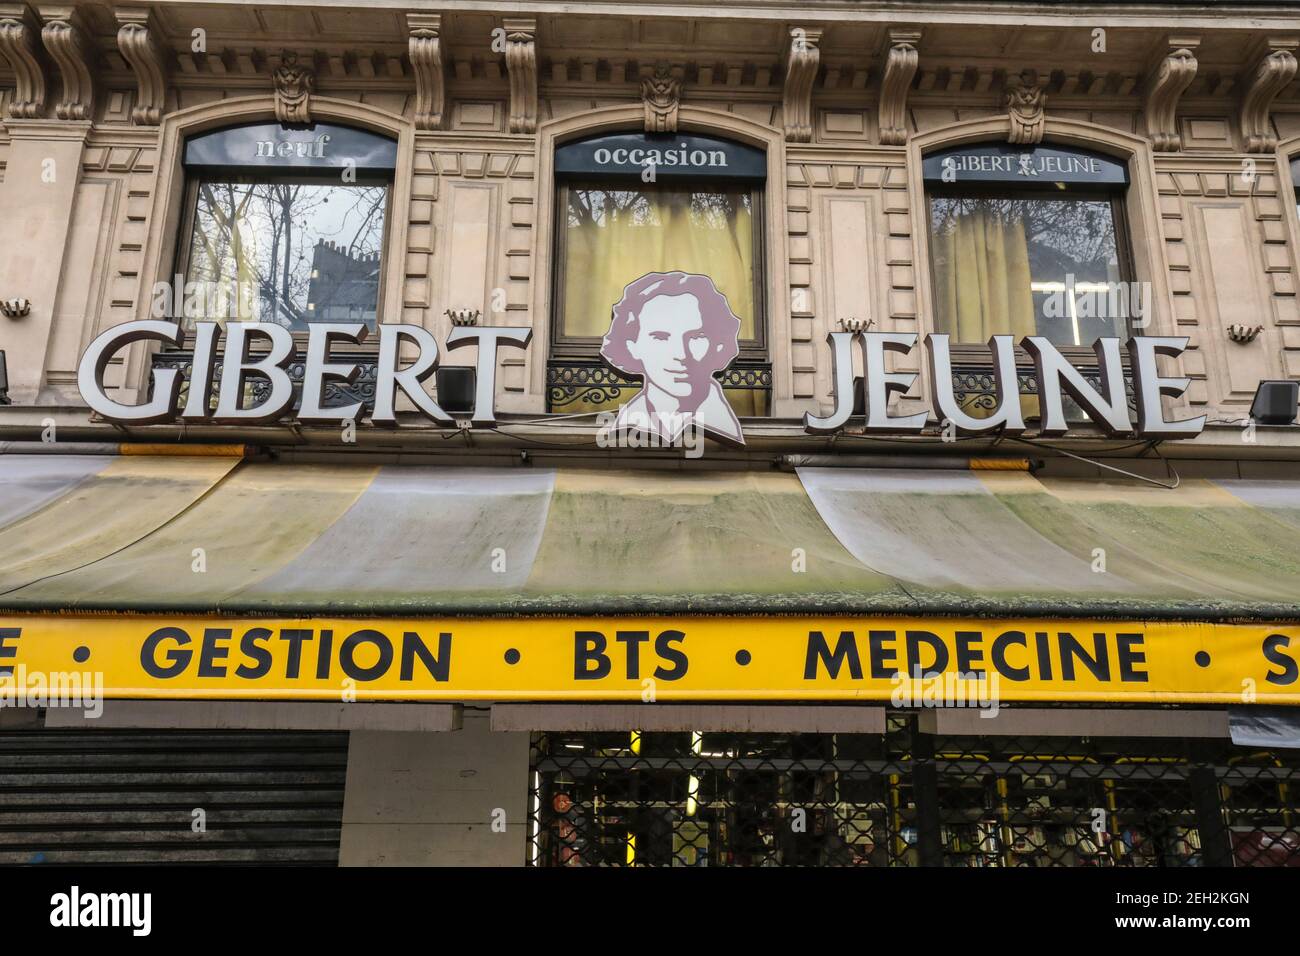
(194, 176)
(1115, 197)
(586, 347)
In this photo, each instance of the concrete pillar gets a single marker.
(42, 170)
(429, 799)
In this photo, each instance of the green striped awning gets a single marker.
(207, 534)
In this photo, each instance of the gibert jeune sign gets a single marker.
(1107, 405)
(239, 363)
(1055, 376)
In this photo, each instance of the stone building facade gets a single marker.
(888, 146)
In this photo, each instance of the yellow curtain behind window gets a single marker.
(616, 236)
(982, 274)
(982, 280)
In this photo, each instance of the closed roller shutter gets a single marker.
(123, 797)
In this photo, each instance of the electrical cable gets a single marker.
(1178, 480)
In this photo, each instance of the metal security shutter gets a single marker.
(122, 797)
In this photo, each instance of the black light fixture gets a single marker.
(4, 380)
(1275, 403)
(456, 387)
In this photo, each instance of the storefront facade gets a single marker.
(763, 436)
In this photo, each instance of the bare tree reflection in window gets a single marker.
(291, 253)
(999, 261)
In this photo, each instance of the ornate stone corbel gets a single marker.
(660, 95)
(135, 40)
(1172, 77)
(521, 64)
(426, 61)
(66, 42)
(1275, 69)
(800, 72)
(1025, 104)
(293, 87)
(900, 67)
(18, 30)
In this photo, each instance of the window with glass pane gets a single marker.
(288, 252)
(1027, 265)
(612, 235)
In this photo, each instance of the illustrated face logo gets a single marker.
(676, 331)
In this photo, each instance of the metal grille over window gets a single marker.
(907, 799)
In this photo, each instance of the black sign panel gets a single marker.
(670, 156)
(1007, 163)
(272, 146)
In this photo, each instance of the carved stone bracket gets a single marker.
(1026, 102)
(1172, 77)
(801, 64)
(1275, 69)
(16, 308)
(293, 87)
(66, 42)
(18, 31)
(661, 94)
(426, 61)
(136, 41)
(900, 67)
(521, 64)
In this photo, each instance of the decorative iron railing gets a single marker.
(591, 381)
(975, 387)
(257, 388)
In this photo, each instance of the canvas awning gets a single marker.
(211, 534)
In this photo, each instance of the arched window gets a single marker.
(629, 204)
(1029, 241)
(285, 225)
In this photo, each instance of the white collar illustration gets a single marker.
(714, 415)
